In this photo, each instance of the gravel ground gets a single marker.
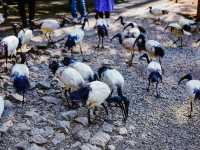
(154, 123)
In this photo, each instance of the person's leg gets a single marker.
(101, 14)
(22, 12)
(107, 14)
(83, 10)
(73, 5)
(31, 10)
(97, 15)
(5, 8)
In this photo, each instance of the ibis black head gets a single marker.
(15, 27)
(53, 66)
(186, 77)
(159, 51)
(81, 95)
(68, 60)
(165, 12)
(103, 69)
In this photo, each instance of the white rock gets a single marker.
(89, 147)
(59, 137)
(82, 120)
(39, 139)
(100, 139)
(22, 145)
(69, 115)
(123, 131)
(107, 127)
(36, 147)
(111, 147)
(6, 126)
(16, 97)
(83, 135)
(51, 99)
(22, 127)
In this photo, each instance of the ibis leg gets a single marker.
(149, 84)
(104, 106)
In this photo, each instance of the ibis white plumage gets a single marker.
(8, 47)
(92, 95)
(2, 19)
(130, 44)
(102, 31)
(193, 90)
(113, 78)
(75, 37)
(1, 105)
(84, 69)
(70, 77)
(20, 77)
(154, 72)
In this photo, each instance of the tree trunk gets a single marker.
(198, 11)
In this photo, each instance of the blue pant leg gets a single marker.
(83, 10)
(73, 5)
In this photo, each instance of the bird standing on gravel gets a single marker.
(48, 26)
(193, 90)
(8, 47)
(20, 77)
(102, 31)
(154, 72)
(156, 12)
(76, 38)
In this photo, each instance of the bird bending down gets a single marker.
(84, 69)
(193, 90)
(92, 95)
(154, 73)
(76, 38)
(70, 77)
(178, 31)
(48, 26)
(134, 31)
(24, 35)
